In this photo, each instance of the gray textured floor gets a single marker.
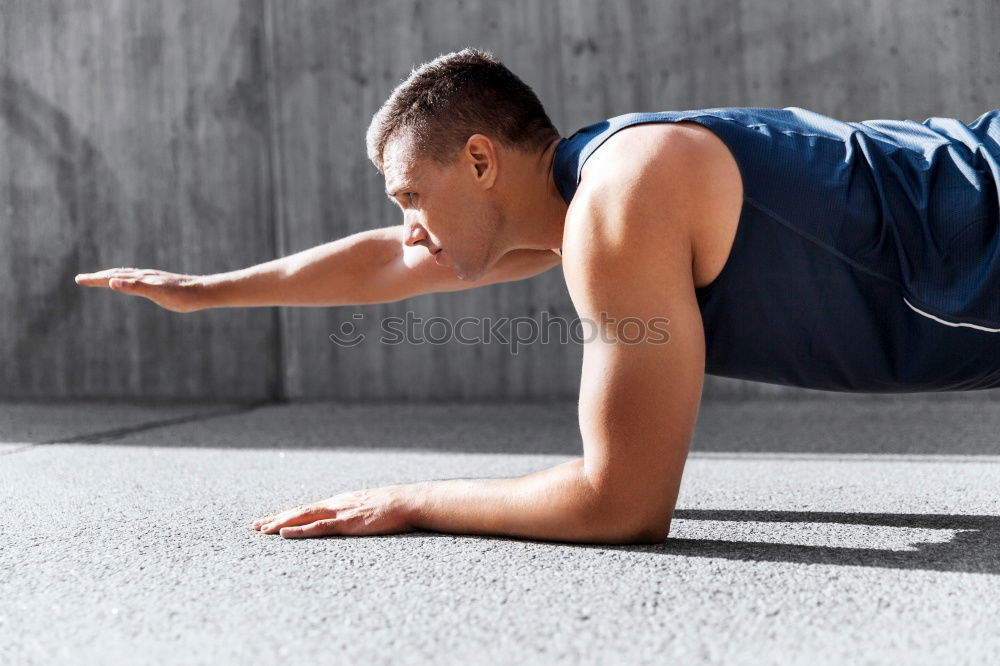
(807, 531)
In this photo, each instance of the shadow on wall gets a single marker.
(88, 193)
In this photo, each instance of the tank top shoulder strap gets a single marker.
(573, 152)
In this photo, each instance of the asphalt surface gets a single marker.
(858, 530)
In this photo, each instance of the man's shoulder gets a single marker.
(656, 185)
(655, 154)
(644, 182)
(627, 230)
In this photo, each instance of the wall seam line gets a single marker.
(279, 389)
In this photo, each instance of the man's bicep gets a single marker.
(419, 273)
(515, 265)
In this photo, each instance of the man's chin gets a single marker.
(464, 276)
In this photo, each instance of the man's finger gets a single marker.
(132, 284)
(260, 522)
(286, 518)
(100, 279)
(294, 518)
(326, 527)
(280, 517)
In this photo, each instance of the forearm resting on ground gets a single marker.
(557, 504)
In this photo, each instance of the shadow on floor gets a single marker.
(974, 548)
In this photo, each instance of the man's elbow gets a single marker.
(630, 528)
(621, 514)
(648, 531)
(655, 533)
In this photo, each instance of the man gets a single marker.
(781, 245)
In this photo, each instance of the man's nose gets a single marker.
(415, 235)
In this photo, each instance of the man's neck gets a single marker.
(538, 211)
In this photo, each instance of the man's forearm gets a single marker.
(341, 272)
(557, 504)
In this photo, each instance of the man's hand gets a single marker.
(357, 513)
(174, 292)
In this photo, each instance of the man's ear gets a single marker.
(481, 154)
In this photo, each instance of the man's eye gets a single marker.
(411, 196)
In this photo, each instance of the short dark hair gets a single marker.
(445, 101)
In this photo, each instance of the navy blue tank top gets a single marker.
(867, 254)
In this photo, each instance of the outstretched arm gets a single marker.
(372, 266)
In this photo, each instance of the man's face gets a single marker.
(444, 207)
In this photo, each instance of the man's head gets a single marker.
(449, 141)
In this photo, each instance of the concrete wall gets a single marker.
(202, 137)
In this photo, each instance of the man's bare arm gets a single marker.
(372, 266)
(638, 397)
(628, 261)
